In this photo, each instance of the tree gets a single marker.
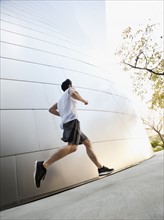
(142, 53)
(155, 122)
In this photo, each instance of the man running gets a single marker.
(66, 109)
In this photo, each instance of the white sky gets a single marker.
(121, 14)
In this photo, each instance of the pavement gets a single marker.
(136, 193)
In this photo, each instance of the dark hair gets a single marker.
(65, 85)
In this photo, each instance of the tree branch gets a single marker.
(144, 68)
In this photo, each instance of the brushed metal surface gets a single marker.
(39, 51)
(73, 169)
(103, 126)
(8, 181)
(15, 70)
(22, 95)
(18, 133)
(48, 131)
(102, 102)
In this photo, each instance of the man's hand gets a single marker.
(85, 102)
(53, 110)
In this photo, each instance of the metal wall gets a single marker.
(42, 44)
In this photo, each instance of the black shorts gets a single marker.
(72, 133)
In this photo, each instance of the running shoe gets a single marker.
(39, 173)
(105, 171)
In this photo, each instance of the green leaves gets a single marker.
(141, 51)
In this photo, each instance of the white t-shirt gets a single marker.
(67, 106)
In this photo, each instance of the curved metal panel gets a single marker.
(22, 95)
(39, 51)
(8, 181)
(48, 130)
(18, 133)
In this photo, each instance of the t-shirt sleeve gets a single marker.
(71, 90)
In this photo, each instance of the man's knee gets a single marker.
(87, 143)
(73, 148)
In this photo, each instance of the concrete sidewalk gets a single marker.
(133, 194)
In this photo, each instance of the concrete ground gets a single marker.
(133, 194)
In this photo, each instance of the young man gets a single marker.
(66, 109)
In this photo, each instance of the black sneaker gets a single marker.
(39, 173)
(105, 171)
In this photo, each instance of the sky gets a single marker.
(121, 14)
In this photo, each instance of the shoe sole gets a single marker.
(35, 169)
(106, 173)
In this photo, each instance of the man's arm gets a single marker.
(53, 110)
(77, 96)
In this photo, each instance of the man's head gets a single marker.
(65, 85)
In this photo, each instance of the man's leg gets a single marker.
(41, 166)
(102, 170)
(62, 152)
(91, 153)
